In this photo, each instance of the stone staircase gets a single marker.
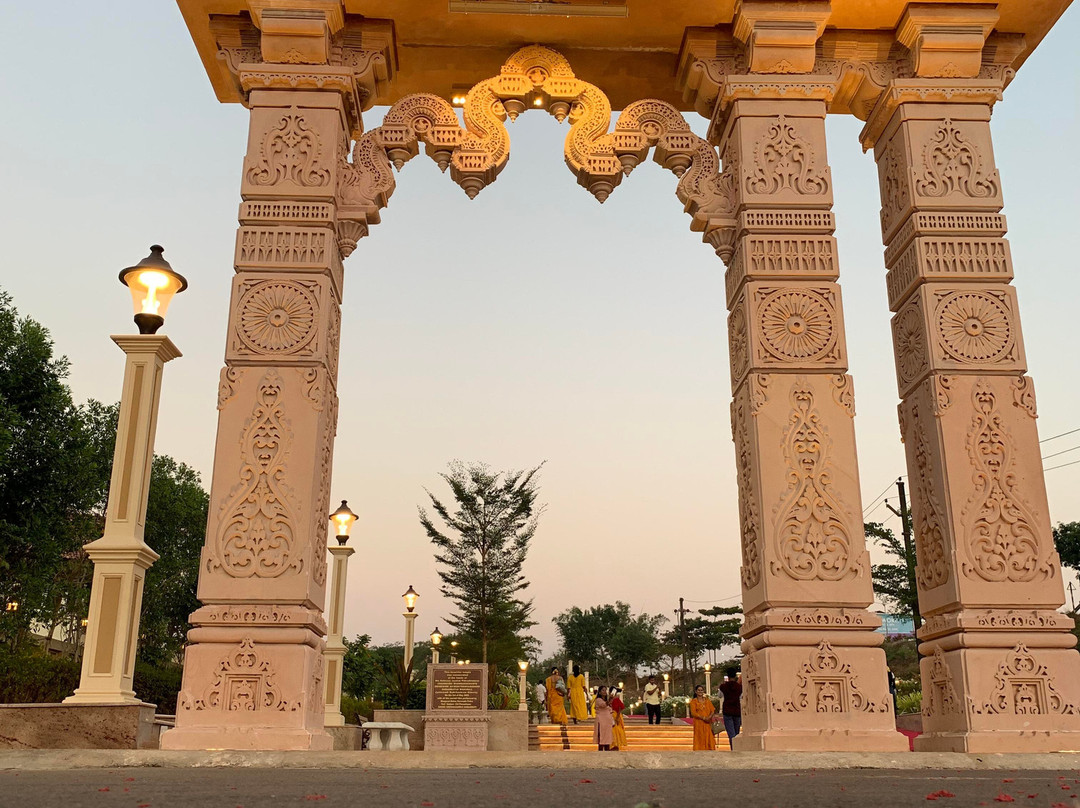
(639, 736)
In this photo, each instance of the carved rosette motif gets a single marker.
(291, 152)
(243, 682)
(952, 164)
(256, 537)
(278, 317)
(1024, 686)
(974, 326)
(797, 325)
(784, 161)
(812, 538)
(909, 344)
(738, 341)
(827, 685)
(1001, 538)
(939, 691)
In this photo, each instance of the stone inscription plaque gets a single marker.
(457, 689)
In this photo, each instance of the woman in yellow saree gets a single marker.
(579, 706)
(556, 697)
(618, 732)
(702, 709)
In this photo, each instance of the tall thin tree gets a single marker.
(481, 553)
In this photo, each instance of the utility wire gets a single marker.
(1063, 465)
(1063, 451)
(886, 490)
(1062, 435)
(722, 600)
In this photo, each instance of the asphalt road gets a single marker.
(502, 788)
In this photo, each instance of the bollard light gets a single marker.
(152, 283)
(343, 519)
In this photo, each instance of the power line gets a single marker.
(1062, 435)
(1063, 465)
(722, 600)
(882, 494)
(1063, 451)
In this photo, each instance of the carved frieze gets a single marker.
(947, 259)
(293, 247)
(1024, 686)
(243, 682)
(827, 685)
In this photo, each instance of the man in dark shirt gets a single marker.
(731, 690)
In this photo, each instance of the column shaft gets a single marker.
(814, 675)
(999, 672)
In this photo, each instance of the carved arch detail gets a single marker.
(534, 77)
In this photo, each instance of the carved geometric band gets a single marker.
(291, 212)
(940, 625)
(953, 223)
(787, 221)
(761, 257)
(295, 247)
(947, 259)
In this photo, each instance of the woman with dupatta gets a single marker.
(579, 705)
(556, 695)
(602, 735)
(618, 731)
(702, 709)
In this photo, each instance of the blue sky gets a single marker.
(528, 325)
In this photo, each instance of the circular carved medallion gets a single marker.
(277, 317)
(737, 341)
(797, 325)
(974, 327)
(910, 344)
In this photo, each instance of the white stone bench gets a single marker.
(388, 736)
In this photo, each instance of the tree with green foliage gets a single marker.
(1067, 542)
(609, 638)
(481, 552)
(893, 583)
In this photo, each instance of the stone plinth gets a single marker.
(456, 719)
(77, 726)
(348, 738)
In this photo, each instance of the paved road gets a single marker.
(501, 788)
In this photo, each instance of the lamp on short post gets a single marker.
(343, 519)
(523, 702)
(410, 597)
(667, 683)
(708, 680)
(121, 556)
(436, 640)
(453, 652)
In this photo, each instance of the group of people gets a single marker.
(610, 730)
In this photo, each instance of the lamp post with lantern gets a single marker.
(334, 655)
(410, 597)
(436, 640)
(523, 669)
(121, 556)
(453, 652)
(708, 680)
(667, 685)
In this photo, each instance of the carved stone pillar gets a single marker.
(254, 669)
(814, 675)
(998, 672)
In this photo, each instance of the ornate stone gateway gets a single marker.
(999, 669)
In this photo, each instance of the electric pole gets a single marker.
(909, 555)
(681, 611)
(1072, 597)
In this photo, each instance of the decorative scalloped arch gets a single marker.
(538, 77)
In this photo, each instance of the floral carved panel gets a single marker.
(291, 153)
(243, 682)
(1024, 686)
(825, 684)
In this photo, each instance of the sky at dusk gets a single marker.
(530, 325)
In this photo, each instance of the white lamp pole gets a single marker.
(667, 684)
(436, 640)
(121, 556)
(708, 680)
(334, 654)
(523, 701)
(410, 615)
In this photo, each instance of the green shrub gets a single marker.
(504, 697)
(36, 677)
(909, 703)
(158, 685)
(905, 687)
(356, 711)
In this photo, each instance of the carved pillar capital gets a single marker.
(780, 37)
(946, 40)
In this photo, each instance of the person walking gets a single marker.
(731, 690)
(556, 695)
(651, 697)
(541, 699)
(602, 735)
(702, 710)
(618, 731)
(579, 705)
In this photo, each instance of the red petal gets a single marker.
(1004, 798)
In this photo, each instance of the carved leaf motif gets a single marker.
(812, 539)
(1001, 538)
(952, 164)
(940, 696)
(749, 515)
(290, 153)
(933, 567)
(783, 161)
(256, 538)
(827, 685)
(1024, 686)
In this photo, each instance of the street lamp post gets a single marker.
(523, 702)
(667, 683)
(436, 639)
(453, 652)
(410, 597)
(334, 654)
(121, 556)
(708, 679)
